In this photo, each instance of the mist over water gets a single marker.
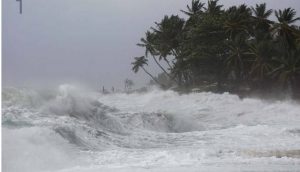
(73, 129)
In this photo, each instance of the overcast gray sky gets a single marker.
(91, 41)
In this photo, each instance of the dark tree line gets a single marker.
(230, 49)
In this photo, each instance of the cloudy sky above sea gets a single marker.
(88, 41)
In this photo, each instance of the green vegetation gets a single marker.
(236, 49)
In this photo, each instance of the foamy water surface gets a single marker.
(71, 129)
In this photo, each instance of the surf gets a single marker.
(75, 129)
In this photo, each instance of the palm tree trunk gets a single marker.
(153, 78)
(161, 67)
(168, 63)
(220, 76)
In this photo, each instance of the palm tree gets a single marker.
(236, 58)
(284, 29)
(215, 45)
(181, 71)
(297, 34)
(139, 63)
(261, 64)
(261, 22)
(194, 12)
(195, 8)
(213, 8)
(168, 33)
(237, 21)
(288, 69)
(149, 43)
(286, 16)
(262, 14)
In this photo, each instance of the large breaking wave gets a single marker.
(72, 129)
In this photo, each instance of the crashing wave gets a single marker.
(158, 128)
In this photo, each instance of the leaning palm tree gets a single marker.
(168, 34)
(149, 43)
(139, 63)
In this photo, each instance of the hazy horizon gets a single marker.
(93, 42)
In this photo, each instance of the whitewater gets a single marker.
(70, 129)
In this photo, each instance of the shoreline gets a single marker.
(271, 95)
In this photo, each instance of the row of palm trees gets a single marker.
(234, 48)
